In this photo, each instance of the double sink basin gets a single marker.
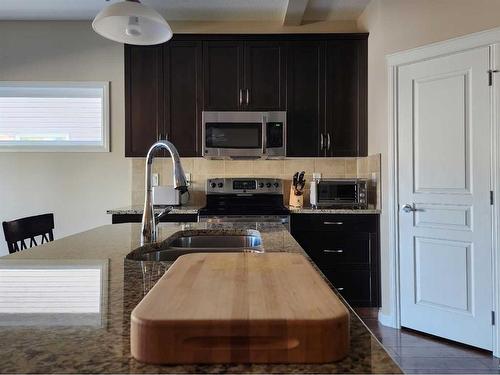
(199, 241)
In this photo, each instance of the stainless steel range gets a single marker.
(245, 200)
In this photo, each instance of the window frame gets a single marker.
(47, 147)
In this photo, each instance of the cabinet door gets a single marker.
(223, 75)
(143, 98)
(346, 85)
(182, 62)
(265, 76)
(305, 98)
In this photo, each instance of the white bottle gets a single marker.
(313, 194)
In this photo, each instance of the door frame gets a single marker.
(394, 62)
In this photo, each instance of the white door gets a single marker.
(444, 176)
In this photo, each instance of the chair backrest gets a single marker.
(17, 231)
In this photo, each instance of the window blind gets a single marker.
(44, 116)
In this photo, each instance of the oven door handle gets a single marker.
(264, 130)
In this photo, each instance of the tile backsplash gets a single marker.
(201, 169)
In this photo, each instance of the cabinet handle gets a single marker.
(241, 97)
(321, 142)
(247, 96)
(333, 251)
(264, 131)
(340, 289)
(328, 143)
(333, 222)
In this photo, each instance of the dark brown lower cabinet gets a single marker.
(346, 249)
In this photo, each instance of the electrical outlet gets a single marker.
(156, 179)
(188, 178)
(316, 176)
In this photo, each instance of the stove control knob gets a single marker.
(213, 185)
(268, 185)
(276, 185)
(220, 184)
(261, 185)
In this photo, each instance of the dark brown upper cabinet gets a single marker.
(319, 79)
(265, 76)
(305, 97)
(242, 75)
(182, 95)
(143, 98)
(223, 75)
(327, 98)
(163, 89)
(345, 131)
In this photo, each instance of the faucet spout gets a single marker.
(148, 231)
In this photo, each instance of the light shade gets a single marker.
(132, 23)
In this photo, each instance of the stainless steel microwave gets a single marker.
(244, 135)
(339, 193)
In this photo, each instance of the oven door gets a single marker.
(337, 193)
(233, 135)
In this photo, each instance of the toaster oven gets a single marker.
(339, 193)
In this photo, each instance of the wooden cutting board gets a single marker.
(240, 308)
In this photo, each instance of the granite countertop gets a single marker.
(193, 210)
(72, 343)
(138, 210)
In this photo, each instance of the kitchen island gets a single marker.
(66, 343)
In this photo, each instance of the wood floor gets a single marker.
(418, 353)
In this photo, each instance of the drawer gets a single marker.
(330, 249)
(354, 285)
(334, 223)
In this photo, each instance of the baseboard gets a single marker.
(386, 320)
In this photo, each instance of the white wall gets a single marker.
(397, 25)
(76, 187)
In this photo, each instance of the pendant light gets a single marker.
(131, 22)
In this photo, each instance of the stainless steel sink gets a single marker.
(193, 241)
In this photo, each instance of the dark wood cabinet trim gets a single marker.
(272, 37)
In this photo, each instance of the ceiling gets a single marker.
(185, 10)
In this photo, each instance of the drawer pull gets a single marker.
(333, 222)
(333, 251)
(340, 289)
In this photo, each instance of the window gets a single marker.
(48, 116)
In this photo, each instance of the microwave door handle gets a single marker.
(264, 130)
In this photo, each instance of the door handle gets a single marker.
(333, 251)
(328, 143)
(241, 97)
(247, 91)
(408, 208)
(340, 289)
(264, 130)
(321, 142)
(333, 222)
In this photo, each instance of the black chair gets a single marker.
(28, 228)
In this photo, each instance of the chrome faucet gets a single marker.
(149, 221)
